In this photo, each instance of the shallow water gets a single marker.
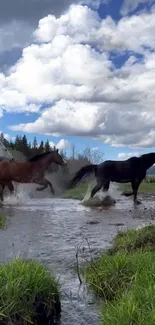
(51, 229)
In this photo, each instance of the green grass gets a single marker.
(78, 192)
(134, 240)
(124, 278)
(2, 221)
(29, 294)
(135, 304)
(144, 187)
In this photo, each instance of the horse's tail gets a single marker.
(81, 173)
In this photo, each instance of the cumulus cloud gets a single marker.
(61, 145)
(126, 155)
(69, 71)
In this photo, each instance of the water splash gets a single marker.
(22, 195)
(113, 192)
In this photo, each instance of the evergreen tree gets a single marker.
(41, 147)
(11, 145)
(18, 143)
(25, 148)
(3, 140)
(2, 137)
(35, 144)
(47, 146)
(34, 147)
(6, 143)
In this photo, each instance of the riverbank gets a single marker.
(28, 294)
(123, 278)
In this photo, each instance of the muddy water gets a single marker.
(50, 230)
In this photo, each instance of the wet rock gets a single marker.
(99, 202)
(92, 222)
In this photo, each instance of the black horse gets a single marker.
(132, 170)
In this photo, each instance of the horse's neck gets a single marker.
(43, 163)
(148, 162)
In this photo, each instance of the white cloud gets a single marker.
(95, 149)
(61, 145)
(52, 144)
(130, 5)
(127, 155)
(71, 73)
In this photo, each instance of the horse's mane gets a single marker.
(39, 156)
(147, 155)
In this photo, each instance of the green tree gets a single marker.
(2, 137)
(34, 147)
(18, 143)
(25, 147)
(47, 146)
(41, 147)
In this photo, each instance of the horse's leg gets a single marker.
(51, 187)
(45, 184)
(1, 192)
(96, 188)
(10, 187)
(135, 185)
(106, 186)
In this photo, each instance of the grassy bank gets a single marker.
(2, 221)
(124, 278)
(28, 294)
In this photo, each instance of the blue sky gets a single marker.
(116, 93)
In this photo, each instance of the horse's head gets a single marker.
(58, 159)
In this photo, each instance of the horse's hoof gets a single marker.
(39, 189)
(137, 202)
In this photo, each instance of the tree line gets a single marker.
(29, 149)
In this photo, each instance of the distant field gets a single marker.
(78, 192)
(148, 185)
(144, 187)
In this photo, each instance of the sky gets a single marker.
(79, 72)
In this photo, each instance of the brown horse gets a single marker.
(31, 171)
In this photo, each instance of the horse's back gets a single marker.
(119, 170)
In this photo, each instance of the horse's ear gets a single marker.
(57, 150)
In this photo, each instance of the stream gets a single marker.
(51, 229)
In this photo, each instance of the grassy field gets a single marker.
(124, 279)
(77, 192)
(29, 294)
(144, 187)
(80, 190)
